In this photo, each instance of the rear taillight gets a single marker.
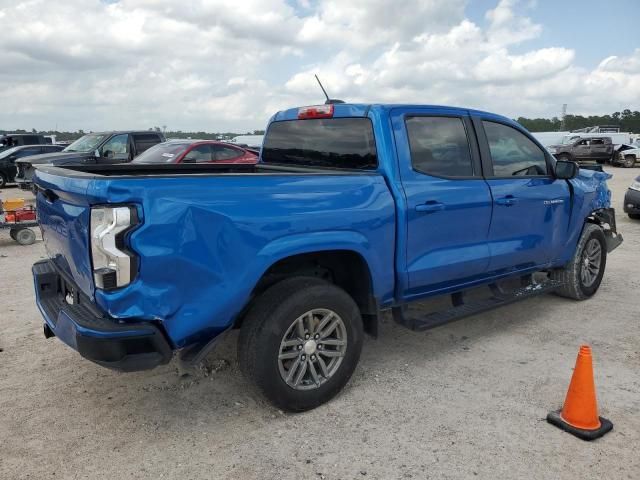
(315, 111)
(114, 266)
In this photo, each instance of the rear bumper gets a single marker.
(74, 319)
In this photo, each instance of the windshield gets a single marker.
(162, 153)
(333, 143)
(86, 144)
(8, 152)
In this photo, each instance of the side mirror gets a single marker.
(566, 170)
(189, 159)
(96, 153)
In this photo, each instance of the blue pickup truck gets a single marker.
(353, 210)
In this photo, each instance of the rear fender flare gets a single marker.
(291, 245)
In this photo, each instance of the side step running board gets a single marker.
(460, 309)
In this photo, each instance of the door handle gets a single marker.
(506, 201)
(430, 207)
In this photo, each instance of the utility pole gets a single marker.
(563, 117)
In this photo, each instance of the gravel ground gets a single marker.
(466, 400)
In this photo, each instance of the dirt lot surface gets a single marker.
(466, 400)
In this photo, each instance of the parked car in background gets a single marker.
(251, 141)
(584, 149)
(352, 210)
(93, 148)
(196, 151)
(9, 156)
(632, 200)
(626, 156)
(549, 138)
(616, 138)
(9, 140)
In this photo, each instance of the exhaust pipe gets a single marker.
(48, 333)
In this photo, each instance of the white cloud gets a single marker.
(361, 24)
(218, 65)
(507, 28)
(630, 64)
(499, 66)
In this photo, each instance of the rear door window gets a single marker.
(144, 141)
(50, 148)
(221, 153)
(343, 143)
(439, 146)
(513, 153)
(26, 152)
(199, 154)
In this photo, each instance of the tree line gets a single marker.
(627, 120)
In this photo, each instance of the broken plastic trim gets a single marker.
(606, 218)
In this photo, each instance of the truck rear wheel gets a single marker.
(300, 342)
(582, 276)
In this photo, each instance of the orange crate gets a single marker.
(12, 204)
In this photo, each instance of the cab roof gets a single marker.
(342, 110)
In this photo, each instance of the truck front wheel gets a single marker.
(629, 161)
(582, 276)
(300, 342)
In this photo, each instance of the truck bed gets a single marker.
(213, 229)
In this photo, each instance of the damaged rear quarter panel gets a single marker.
(204, 242)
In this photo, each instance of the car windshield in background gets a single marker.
(333, 142)
(8, 152)
(86, 144)
(162, 153)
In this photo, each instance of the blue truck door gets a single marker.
(448, 203)
(531, 208)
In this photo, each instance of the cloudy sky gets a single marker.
(218, 65)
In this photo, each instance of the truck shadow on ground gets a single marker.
(215, 392)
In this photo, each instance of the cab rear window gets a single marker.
(346, 143)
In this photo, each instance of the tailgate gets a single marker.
(64, 216)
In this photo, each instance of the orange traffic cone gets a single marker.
(579, 415)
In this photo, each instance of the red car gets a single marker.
(196, 151)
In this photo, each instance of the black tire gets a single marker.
(25, 236)
(265, 325)
(634, 216)
(12, 233)
(3, 180)
(573, 285)
(629, 161)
